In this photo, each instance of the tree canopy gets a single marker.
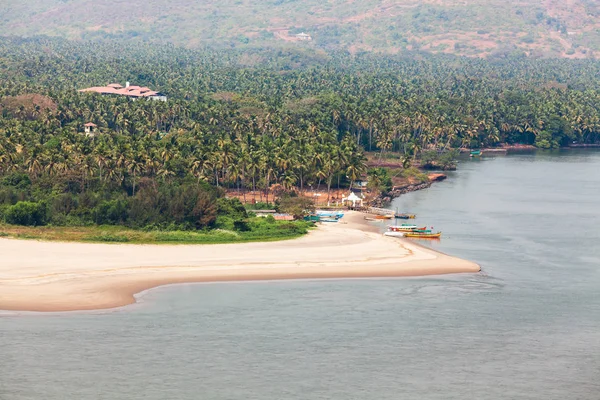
(257, 118)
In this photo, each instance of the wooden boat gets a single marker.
(384, 216)
(405, 216)
(404, 228)
(427, 234)
(475, 153)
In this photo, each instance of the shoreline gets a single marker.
(64, 276)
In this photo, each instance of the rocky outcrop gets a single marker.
(436, 177)
(397, 191)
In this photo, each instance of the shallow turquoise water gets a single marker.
(527, 327)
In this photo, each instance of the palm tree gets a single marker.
(135, 167)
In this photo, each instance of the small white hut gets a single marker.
(303, 36)
(352, 200)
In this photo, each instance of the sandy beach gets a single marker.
(58, 276)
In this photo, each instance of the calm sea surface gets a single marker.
(527, 327)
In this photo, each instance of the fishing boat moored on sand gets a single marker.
(329, 214)
(312, 218)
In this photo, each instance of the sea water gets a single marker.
(526, 327)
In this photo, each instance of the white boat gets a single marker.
(394, 234)
(402, 228)
(328, 219)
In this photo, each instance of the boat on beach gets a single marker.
(329, 214)
(404, 228)
(412, 231)
(312, 218)
(379, 217)
(329, 219)
(423, 234)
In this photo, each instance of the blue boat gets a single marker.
(312, 218)
(330, 214)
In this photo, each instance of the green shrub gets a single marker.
(241, 225)
(224, 222)
(17, 180)
(8, 195)
(296, 206)
(26, 213)
(3, 209)
(231, 207)
(414, 173)
(111, 212)
(259, 205)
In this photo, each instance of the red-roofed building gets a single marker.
(133, 92)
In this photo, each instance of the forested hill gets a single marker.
(565, 28)
(261, 120)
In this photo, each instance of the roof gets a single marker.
(115, 88)
(90, 124)
(353, 197)
(283, 217)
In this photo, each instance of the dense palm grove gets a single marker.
(253, 120)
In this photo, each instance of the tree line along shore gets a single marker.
(269, 121)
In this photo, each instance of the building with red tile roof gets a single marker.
(133, 92)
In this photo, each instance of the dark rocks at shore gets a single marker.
(436, 177)
(398, 191)
(435, 167)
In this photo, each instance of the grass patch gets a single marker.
(261, 230)
(111, 238)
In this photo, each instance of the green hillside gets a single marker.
(567, 28)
